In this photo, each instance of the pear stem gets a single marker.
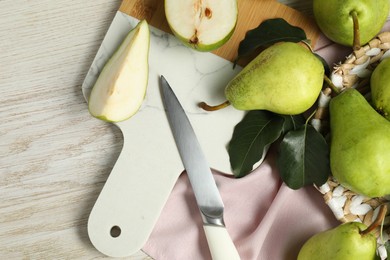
(310, 117)
(207, 107)
(356, 31)
(331, 85)
(378, 221)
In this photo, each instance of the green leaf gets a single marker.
(251, 139)
(293, 122)
(303, 158)
(269, 32)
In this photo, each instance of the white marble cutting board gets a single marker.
(149, 159)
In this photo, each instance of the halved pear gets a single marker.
(121, 86)
(203, 25)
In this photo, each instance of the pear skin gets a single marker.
(334, 18)
(285, 78)
(380, 88)
(343, 242)
(360, 145)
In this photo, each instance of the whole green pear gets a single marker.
(343, 242)
(334, 18)
(285, 78)
(360, 145)
(380, 88)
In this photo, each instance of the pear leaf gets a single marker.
(303, 158)
(267, 33)
(251, 139)
(292, 122)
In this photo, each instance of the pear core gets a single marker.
(285, 78)
(203, 25)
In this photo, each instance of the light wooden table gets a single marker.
(54, 157)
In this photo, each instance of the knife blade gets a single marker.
(199, 173)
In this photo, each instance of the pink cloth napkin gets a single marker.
(265, 218)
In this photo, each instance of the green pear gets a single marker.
(121, 86)
(360, 145)
(380, 88)
(344, 242)
(203, 25)
(285, 78)
(335, 19)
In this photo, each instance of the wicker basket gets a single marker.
(354, 72)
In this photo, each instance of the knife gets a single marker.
(202, 181)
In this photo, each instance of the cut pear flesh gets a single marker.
(202, 24)
(121, 86)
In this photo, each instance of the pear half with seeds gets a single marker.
(203, 25)
(121, 86)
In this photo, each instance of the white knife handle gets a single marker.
(220, 244)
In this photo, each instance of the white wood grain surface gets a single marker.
(54, 157)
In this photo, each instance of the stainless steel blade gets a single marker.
(195, 163)
(202, 181)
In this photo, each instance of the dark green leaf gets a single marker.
(270, 32)
(292, 122)
(251, 139)
(303, 158)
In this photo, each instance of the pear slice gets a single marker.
(121, 86)
(203, 25)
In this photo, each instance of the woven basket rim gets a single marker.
(354, 72)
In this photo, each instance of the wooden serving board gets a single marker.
(251, 13)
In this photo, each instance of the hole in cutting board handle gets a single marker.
(115, 231)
